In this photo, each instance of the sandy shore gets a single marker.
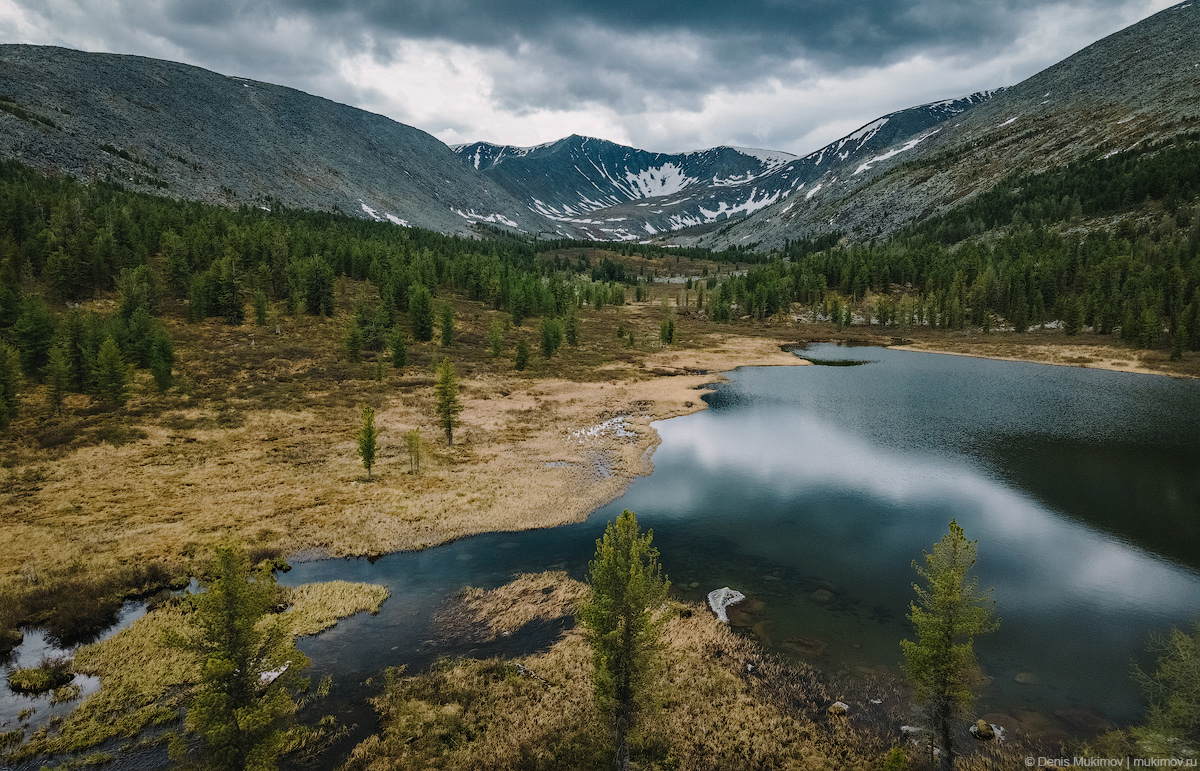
(1089, 356)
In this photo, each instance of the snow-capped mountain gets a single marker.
(1137, 86)
(598, 189)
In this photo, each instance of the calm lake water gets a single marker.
(1081, 486)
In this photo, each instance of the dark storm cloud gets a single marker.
(637, 60)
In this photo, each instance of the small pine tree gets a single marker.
(379, 369)
(1179, 343)
(447, 326)
(399, 348)
(112, 374)
(448, 404)
(495, 339)
(368, 439)
(552, 335)
(571, 327)
(420, 312)
(521, 360)
(260, 307)
(413, 440)
(623, 625)
(10, 384)
(354, 341)
(162, 360)
(947, 614)
(58, 377)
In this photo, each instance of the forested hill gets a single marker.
(194, 134)
(1136, 87)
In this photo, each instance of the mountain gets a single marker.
(598, 189)
(1137, 86)
(191, 133)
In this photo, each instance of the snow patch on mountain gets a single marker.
(910, 144)
(667, 179)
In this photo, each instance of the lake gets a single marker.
(813, 489)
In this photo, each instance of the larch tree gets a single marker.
(10, 384)
(368, 439)
(623, 624)
(448, 405)
(248, 669)
(949, 611)
(112, 374)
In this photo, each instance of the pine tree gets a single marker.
(448, 404)
(521, 361)
(495, 339)
(10, 384)
(249, 666)
(368, 437)
(552, 334)
(399, 348)
(571, 327)
(1179, 342)
(420, 312)
(947, 614)
(162, 360)
(33, 334)
(58, 377)
(112, 374)
(260, 307)
(413, 440)
(447, 326)
(623, 624)
(354, 341)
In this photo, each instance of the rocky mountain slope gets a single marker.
(191, 133)
(594, 188)
(1136, 86)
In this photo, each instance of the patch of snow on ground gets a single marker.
(771, 158)
(813, 192)
(866, 166)
(664, 180)
(396, 220)
(1126, 120)
(370, 212)
(617, 427)
(497, 219)
(867, 131)
(1010, 120)
(751, 204)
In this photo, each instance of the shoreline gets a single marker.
(1109, 362)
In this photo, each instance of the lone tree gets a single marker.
(448, 405)
(112, 374)
(368, 437)
(619, 616)
(249, 667)
(521, 360)
(947, 614)
(495, 339)
(413, 440)
(399, 348)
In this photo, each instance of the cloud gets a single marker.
(673, 75)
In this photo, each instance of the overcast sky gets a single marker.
(665, 76)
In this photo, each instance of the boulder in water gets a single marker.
(720, 599)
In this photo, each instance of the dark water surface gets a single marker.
(1082, 487)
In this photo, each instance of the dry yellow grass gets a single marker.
(505, 609)
(1060, 353)
(256, 445)
(316, 607)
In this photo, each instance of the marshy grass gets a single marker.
(487, 614)
(49, 675)
(722, 703)
(316, 607)
(144, 683)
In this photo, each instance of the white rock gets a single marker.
(720, 599)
